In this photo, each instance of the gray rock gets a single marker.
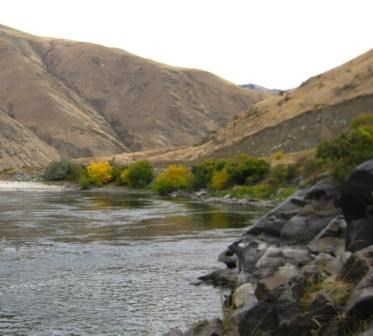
(332, 328)
(224, 278)
(229, 258)
(277, 315)
(242, 295)
(360, 304)
(276, 257)
(331, 238)
(266, 285)
(326, 264)
(206, 328)
(322, 309)
(174, 332)
(302, 229)
(335, 246)
(358, 265)
(272, 223)
(248, 252)
(360, 233)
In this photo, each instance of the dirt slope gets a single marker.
(19, 146)
(84, 99)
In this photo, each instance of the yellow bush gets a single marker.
(100, 172)
(174, 177)
(123, 177)
(277, 156)
(220, 180)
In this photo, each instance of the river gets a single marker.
(84, 263)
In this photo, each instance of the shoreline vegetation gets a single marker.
(237, 179)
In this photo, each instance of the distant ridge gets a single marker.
(260, 88)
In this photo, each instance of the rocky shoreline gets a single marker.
(304, 268)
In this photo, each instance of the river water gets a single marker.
(75, 263)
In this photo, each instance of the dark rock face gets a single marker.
(356, 202)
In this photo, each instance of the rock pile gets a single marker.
(305, 268)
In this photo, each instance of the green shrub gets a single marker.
(123, 177)
(63, 169)
(348, 150)
(84, 181)
(99, 172)
(203, 172)
(246, 169)
(174, 177)
(282, 174)
(139, 174)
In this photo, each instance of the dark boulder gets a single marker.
(360, 232)
(224, 278)
(322, 309)
(356, 194)
(358, 265)
(277, 315)
(360, 305)
(356, 202)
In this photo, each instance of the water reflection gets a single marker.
(110, 217)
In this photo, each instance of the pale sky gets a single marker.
(274, 43)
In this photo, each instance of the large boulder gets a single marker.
(360, 305)
(277, 315)
(356, 194)
(360, 232)
(356, 202)
(243, 295)
(331, 239)
(276, 257)
(301, 217)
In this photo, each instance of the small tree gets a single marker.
(139, 174)
(174, 177)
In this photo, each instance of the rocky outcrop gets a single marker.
(299, 269)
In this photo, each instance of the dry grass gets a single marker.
(338, 290)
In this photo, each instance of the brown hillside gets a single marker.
(84, 99)
(19, 146)
(296, 120)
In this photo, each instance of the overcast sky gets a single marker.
(275, 43)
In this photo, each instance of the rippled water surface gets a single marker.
(76, 263)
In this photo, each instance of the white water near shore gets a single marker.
(28, 186)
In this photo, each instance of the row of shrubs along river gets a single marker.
(240, 176)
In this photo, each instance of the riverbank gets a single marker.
(306, 266)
